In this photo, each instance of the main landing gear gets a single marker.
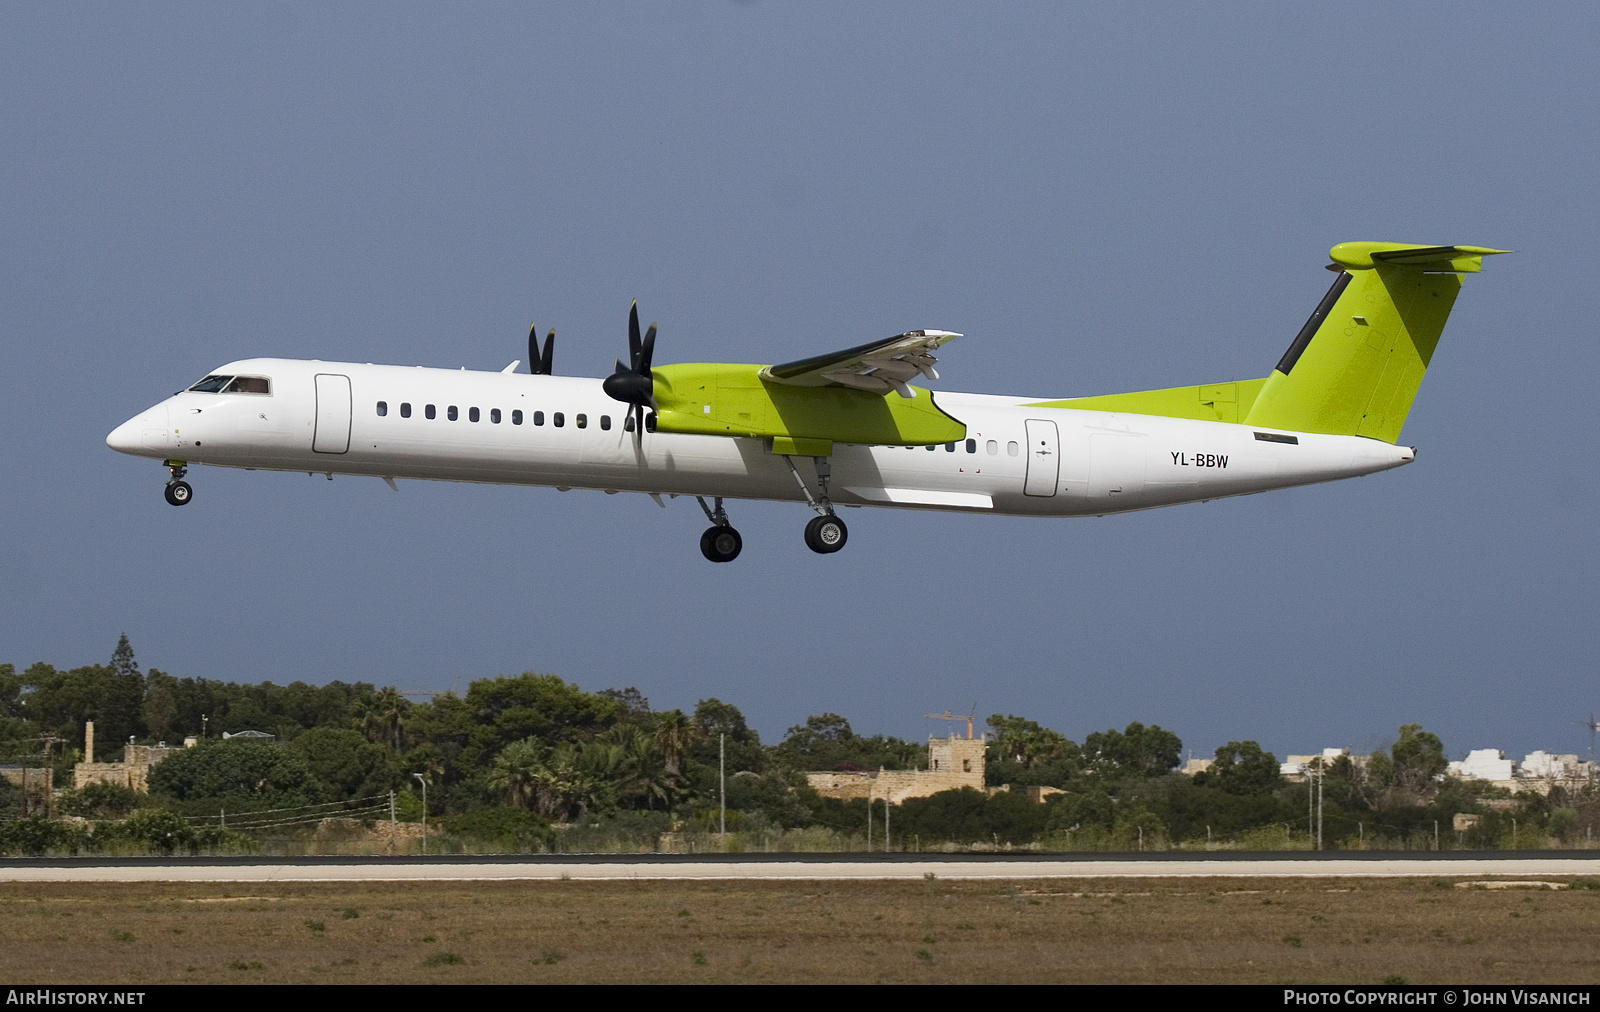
(825, 533)
(720, 542)
(178, 491)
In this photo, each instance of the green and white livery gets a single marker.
(847, 429)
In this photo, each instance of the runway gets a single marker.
(1523, 865)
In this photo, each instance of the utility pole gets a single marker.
(48, 739)
(722, 786)
(886, 807)
(1322, 774)
(423, 780)
(393, 829)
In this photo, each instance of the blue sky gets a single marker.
(1102, 197)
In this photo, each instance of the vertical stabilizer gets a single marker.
(1355, 366)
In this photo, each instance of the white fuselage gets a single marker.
(323, 417)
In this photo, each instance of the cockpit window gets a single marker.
(211, 384)
(249, 385)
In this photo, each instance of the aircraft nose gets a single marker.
(144, 435)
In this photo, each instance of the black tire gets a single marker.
(721, 543)
(179, 493)
(826, 535)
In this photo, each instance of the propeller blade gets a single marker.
(633, 335)
(642, 366)
(533, 349)
(547, 361)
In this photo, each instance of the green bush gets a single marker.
(37, 836)
(509, 829)
(101, 801)
(163, 832)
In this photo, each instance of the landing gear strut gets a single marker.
(720, 542)
(825, 533)
(178, 491)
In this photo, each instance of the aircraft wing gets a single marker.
(877, 367)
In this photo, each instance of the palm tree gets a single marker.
(382, 716)
(516, 771)
(675, 735)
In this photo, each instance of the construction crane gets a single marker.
(947, 715)
(1593, 726)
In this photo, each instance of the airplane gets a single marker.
(846, 429)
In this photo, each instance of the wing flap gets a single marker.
(878, 367)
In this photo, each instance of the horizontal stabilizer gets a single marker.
(1447, 259)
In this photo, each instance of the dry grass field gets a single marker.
(1164, 930)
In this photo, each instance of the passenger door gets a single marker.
(1044, 458)
(332, 434)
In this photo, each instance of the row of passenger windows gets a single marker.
(557, 418)
(991, 447)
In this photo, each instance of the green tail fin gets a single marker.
(1357, 363)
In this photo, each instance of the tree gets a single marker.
(344, 760)
(675, 735)
(826, 742)
(714, 718)
(237, 771)
(1026, 743)
(1241, 767)
(516, 770)
(1418, 754)
(160, 709)
(1136, 752)
(383, 715)
(124, 695)
(630, 702)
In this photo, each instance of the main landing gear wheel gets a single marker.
(826, 534)
(721, 543)
(179, 493)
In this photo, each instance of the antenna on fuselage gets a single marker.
(540, 364)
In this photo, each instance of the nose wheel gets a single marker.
(826, 534)
(720, 542)
(178, 491)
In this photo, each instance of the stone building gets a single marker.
(133, 771)
(953, 763)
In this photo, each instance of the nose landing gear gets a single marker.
(178, 491)
(720, 542)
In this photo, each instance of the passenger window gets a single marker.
(494, 415)
(991, 447)
(627, 423)
(516, 417)
(650, 422)
(472, 414)
(538, 418)
(583, 421)
(452, 413)
(1011, 448)
(950, 448)
(405, 409)
(605, 421)
(972, 446)
(429, 411)
(930, 448)
(559, 419)
(383, 408)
